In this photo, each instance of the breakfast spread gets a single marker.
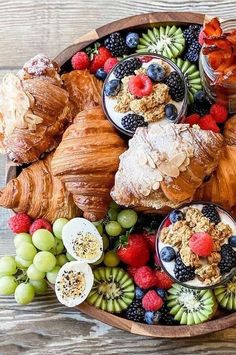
(91, 204)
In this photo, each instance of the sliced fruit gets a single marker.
(192, 76)
(113, 290)
(82, 240)
(73, 283)
(189, 306)
(226, 295)
(168, 41)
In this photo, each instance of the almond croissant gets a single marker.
(86, 161)
(33, 110)
(164, 165)
(38, 193)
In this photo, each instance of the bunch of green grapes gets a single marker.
(117, 223)
(38, 259)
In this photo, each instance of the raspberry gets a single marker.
(80, 61)
(19, 223)
(131, 271)
(140, 85)
(145, 58)
(109, 64)
(207, 122)
(40, 223)
(219, 113)
(192, 119)
(145, 277)
(167, 223)
(201, 244)
(163, 280)
(151, 301)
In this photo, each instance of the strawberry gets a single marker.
(110, 63)
(192, 119)
(219, 113)
(207, 122)
(80, 61)
(134, 250)
(151, 240)
(163, 280)
(99, 56)
(140, 85)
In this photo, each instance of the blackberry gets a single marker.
(228, 258)
(135, 311)
(116, 44)
(191, 33)
(176, 86)
(166, 318)
(127, 67)
(182, 272)
(131, 121)
(202, 109)
(211, 213)
(192, 53)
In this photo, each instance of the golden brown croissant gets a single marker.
(86, 161)
(38, 193)
(164, 165)
(33, 111)
(84, 90)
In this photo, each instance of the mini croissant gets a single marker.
(33, 110)
(86, 161)
(38, 193)
(164, 165)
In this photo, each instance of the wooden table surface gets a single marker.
(28, 27)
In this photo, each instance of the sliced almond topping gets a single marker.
(178, 159)
(156, 185)
(168, 169)
(150, 162)
(142, 158)
(158, 176)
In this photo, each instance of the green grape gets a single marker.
(111, 259)
(44, 261)
(113, 205)
(8, 265)
(22, 237)
(24, 293)
(112, 214)
(52, 275)
(105, 242)
(70, 257)
(100, 228)
(35, 274)
(113, 228)
(40, 286)
(99, 261)
(21, 263)
(127, 218)
(58, 247)
(58, 226)
(43, 239)
(26, 251)
(61, 259)
(8, 285)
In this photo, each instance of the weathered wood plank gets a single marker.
(29, 27)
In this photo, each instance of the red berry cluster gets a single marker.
(22, 223)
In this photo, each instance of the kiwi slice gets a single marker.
(226, 295)
(113, 289)
(168, 41)
(190, 306)
(192, 76)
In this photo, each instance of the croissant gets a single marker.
(230, 131)
(33, 110)
(84, 90)
(86, 161)
(38, 193)
(165, 165)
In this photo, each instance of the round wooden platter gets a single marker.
(222, 321)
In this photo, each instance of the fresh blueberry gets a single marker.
(175, 216)
(232, 241)
(161, 292)
(112, 87)
(101, 74)
(152, 317)
(156, 72)
(171, 112)
(139, 293)
(132, 39)
(200, 96)
(167, 254)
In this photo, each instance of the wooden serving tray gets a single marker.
(222, 321)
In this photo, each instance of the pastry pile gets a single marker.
(41, 112)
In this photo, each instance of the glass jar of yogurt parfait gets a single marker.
(196, 245)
